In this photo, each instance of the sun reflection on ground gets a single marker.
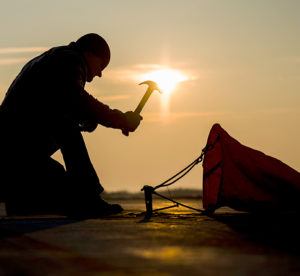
(167, 253)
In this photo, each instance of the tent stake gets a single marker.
(148, 191)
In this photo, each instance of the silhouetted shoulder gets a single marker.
(68, 62)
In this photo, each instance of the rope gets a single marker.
(176, 204)
(186, 170)
(148, 190)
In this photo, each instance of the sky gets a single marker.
(240, 59)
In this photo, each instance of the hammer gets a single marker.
(151, 87)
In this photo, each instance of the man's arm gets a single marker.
(82, 106)
(102, 114)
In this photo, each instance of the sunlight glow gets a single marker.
(165, 78)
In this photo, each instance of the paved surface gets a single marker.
(176, 242)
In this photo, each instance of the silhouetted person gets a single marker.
(45, 109)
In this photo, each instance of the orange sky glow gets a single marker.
(236, 63)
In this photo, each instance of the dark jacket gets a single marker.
(48, 96)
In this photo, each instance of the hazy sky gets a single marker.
(241, 59)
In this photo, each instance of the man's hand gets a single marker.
(133, 120)
(88, 126)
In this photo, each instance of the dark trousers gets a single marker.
(33, 182)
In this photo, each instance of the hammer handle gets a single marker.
(140, 106)
(143, 101)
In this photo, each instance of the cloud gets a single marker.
(113, 98)
(7, 54)
(21, 50)
(136, 71)
(8, 61)
(279, 110)
(291, 59)
(172, 116)
(104, 97)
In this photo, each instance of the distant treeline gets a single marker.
(172, 193)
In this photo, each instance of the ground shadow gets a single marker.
(12, 227)
(274, 230)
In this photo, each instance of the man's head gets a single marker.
(96, 52)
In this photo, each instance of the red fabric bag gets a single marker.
(246, 179)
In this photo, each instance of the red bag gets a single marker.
(246, 179)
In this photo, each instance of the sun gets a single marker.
(166, 79)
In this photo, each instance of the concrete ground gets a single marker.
(174, 242)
